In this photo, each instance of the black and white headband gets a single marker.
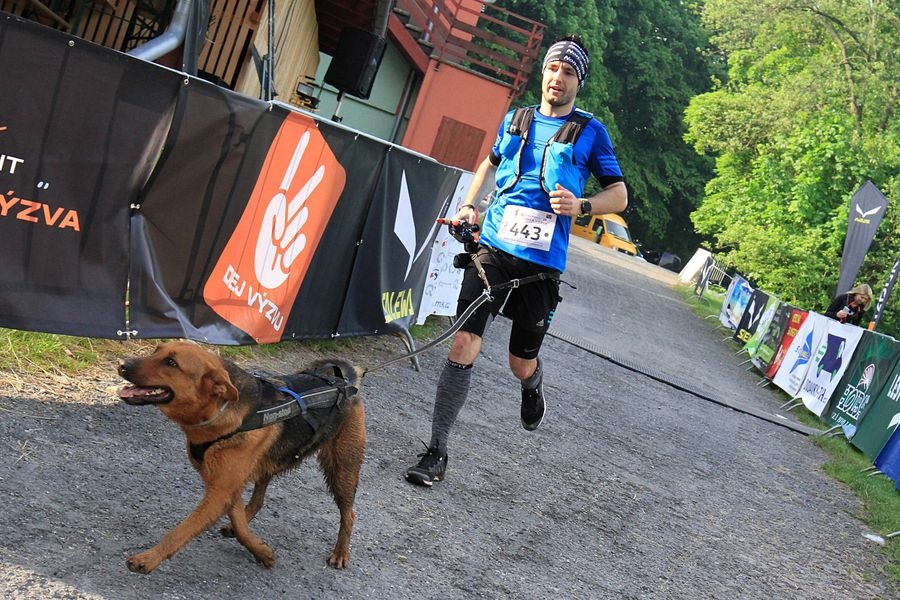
(569, 52)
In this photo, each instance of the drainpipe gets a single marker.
(382, 16)
(170, 39)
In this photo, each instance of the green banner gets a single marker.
(770, 338)
(768, 312)
(872, 366)
(882, 416)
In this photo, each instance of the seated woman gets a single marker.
(849, 307)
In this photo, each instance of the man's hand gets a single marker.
(564, 202)
(467, 214)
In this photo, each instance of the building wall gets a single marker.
(376, 115)
(456, 103)
(296, 49)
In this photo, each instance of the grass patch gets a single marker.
(33, 353)
(878, 494)
(41, 353)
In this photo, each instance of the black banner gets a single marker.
(223, 218)
(77, 140)
(396, 243)
(886, 293)
(867, 208)
(751, 316)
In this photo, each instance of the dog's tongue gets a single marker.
(133, 391)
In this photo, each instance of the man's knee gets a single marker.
(465, 347)
(522, 368)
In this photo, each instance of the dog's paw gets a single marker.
(227, 531)
(339, 560)
(264, 556)
(145, 562)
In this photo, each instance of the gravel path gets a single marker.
(632, 488)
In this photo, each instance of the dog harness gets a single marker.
(291, 404)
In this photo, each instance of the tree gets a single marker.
(803, 119)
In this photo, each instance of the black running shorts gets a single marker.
(530, 306)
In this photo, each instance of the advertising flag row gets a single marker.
(846, 375)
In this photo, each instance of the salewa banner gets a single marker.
(77, 142)
(867, 208)
(396, 245)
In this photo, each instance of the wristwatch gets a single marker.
(586, 207)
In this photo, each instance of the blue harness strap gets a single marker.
(300, 401)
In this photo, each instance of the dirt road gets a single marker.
(632, 488)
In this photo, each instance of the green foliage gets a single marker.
(802, 121)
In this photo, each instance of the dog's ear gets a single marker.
(218, 385)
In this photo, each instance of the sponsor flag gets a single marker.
(444, 280)
(751, 317)
(867, 208)
(739, 292)
(768, 341)
(870, 400)
(800, 355)
(886, 293)
(830, 359)
(795, 320)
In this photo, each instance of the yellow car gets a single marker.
(608, 230)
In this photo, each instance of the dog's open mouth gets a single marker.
(136, 395)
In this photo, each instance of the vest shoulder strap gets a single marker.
(520, 124)
(572, 128)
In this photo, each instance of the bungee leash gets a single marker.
(465, 233)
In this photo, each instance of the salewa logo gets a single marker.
(398, 304)
(258, 275)
(864, 215)
(405, 227)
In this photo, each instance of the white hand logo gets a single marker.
(280, 240)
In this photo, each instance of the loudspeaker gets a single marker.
(355, 62)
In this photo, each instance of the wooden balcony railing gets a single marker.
(481, 38)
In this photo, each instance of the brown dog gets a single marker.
(242, 428)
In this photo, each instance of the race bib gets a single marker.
(527, 227)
